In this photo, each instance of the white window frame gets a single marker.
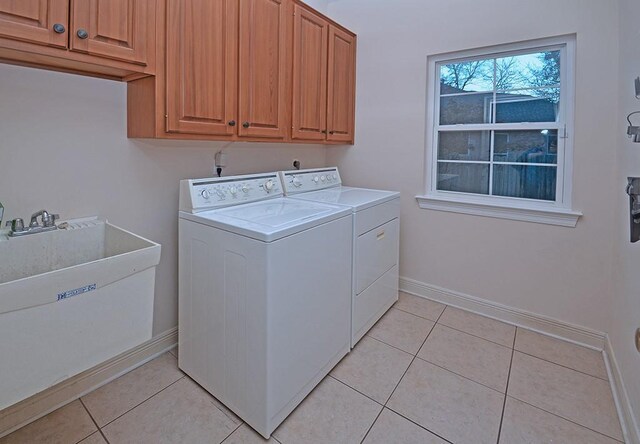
(558, 212)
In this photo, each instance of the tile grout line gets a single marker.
(404, 374)
(520, 351)
(393, 346)
(513, 350)
(94, 421)
(140, 403)
(506, 389)
(415, 423)
(488, 340)
(463, 376)
(372, 424)
(232, 432)
(476, 336)
(517, 327)
(555, 414)
(566, 419)
(354, 389)
(384, 407)
(423, 317)
(560, 365)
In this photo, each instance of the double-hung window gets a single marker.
(499, 132)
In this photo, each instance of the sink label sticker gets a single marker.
(71, 293)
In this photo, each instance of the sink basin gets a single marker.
(71, 299)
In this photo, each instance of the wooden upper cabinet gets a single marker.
(201, 62)
(34, 20)
(116, 29)
(263, 64)
(246, 70)
(104, 38)
(309, 105)
(341, 85)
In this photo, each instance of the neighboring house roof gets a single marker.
(472, 108)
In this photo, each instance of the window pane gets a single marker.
(529, 182)
(468, 108)
(531, 105)
(466, 77)
(464, 145)
(528, 70)
(535, 146)
(463, 177)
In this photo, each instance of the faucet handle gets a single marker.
(49, 220)
(17, 225)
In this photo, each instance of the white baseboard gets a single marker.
(549, 326)
(521, 318)
(40, 404)
(628, 420)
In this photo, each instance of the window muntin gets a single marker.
(500, 126)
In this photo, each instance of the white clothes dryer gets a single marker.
(376, 239)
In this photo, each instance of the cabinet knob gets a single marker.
(324, 131)
(232, 123)
(82, 34)
(246, 125)
(331, 132)
(59, 28)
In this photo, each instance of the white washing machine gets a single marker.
(264, 293)
(376, 239)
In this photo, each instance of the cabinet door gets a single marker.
(117, 29)
(33, 21)
(309, 109)
(201, 63)
(263, 65)
(341, 85)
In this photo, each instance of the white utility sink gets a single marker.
(71, 299)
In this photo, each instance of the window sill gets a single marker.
(549, 216)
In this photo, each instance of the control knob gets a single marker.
(296, 181)
(245, 188)
(233, 190)
(323, 178)
(205, 193)
(316, 179)
(268, 185)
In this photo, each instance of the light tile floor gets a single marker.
(425, 373)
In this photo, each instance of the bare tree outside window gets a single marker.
(523, 88)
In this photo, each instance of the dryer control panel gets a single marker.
(301, 181)
(198, 195)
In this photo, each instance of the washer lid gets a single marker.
(269, 220)
(356, 198)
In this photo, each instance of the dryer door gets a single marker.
(376, 253)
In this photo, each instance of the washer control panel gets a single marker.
(206, 194)
(301, 181)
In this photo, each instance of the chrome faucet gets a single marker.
(48, 224)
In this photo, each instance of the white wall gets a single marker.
(626, 304)
(63, 147)
(564, 273)
(319, 5)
